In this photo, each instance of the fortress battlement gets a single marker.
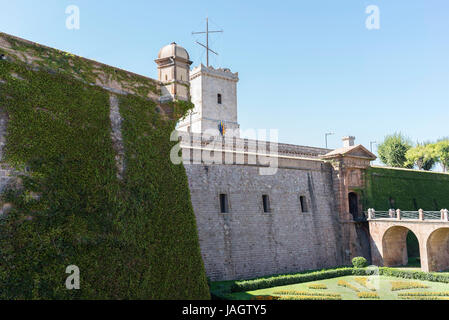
(223, 73)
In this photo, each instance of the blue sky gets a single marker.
(306, 67)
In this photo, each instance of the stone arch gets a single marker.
(394, 246)
(438, 250)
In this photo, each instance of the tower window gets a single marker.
(266, 203)
(166, 77)
(224, 207)
(219, 99)
(303, 201)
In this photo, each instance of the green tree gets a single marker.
(441, 152)
(393, 149)
(422, 156)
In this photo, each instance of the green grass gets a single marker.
(384, 288)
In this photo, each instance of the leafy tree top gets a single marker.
(392, 151)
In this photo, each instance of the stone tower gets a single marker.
(214, 93)
(173, 71)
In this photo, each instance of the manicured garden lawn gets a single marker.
(383, 288)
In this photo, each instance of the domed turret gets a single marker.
(174, 71)
(173, 50)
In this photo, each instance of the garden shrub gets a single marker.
(401, 285)
(359, 262)
(423, 298)
(317, 286)
(346, 284)
(423, 294)
(309, 297)
(267, 297)
(305, 293)
(368, 295)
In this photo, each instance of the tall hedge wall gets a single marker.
(134, 238)
(408, 189)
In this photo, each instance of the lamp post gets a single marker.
(326, 135)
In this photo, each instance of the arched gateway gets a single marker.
(389, 238)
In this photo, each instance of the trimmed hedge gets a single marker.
(308, 297)
(283, 280)
(418, 275)
(134, 238)
(346, 284)
(305, 293)
(368, 295)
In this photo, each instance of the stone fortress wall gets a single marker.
(246, 241)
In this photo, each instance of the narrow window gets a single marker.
(219, 98)
(224, 208)
(266, 203)
(303, 201)
(166, 77)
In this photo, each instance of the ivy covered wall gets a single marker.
(133, 237)
(405, 189)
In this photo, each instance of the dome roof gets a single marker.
(173, 50)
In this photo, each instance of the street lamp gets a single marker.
(328, 134)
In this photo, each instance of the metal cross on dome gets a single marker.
(207, 40)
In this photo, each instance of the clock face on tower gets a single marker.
(221, 128)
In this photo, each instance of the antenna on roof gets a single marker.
(207, 40)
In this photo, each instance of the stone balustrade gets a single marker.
(420, 215)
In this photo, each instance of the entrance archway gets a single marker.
(438, 250)
(394, 246)
(353, 205)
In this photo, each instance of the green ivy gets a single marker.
(426, 190)
(86, 70)
(131, 239)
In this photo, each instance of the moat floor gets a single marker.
(381, 285)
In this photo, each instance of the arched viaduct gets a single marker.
(388, 233)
